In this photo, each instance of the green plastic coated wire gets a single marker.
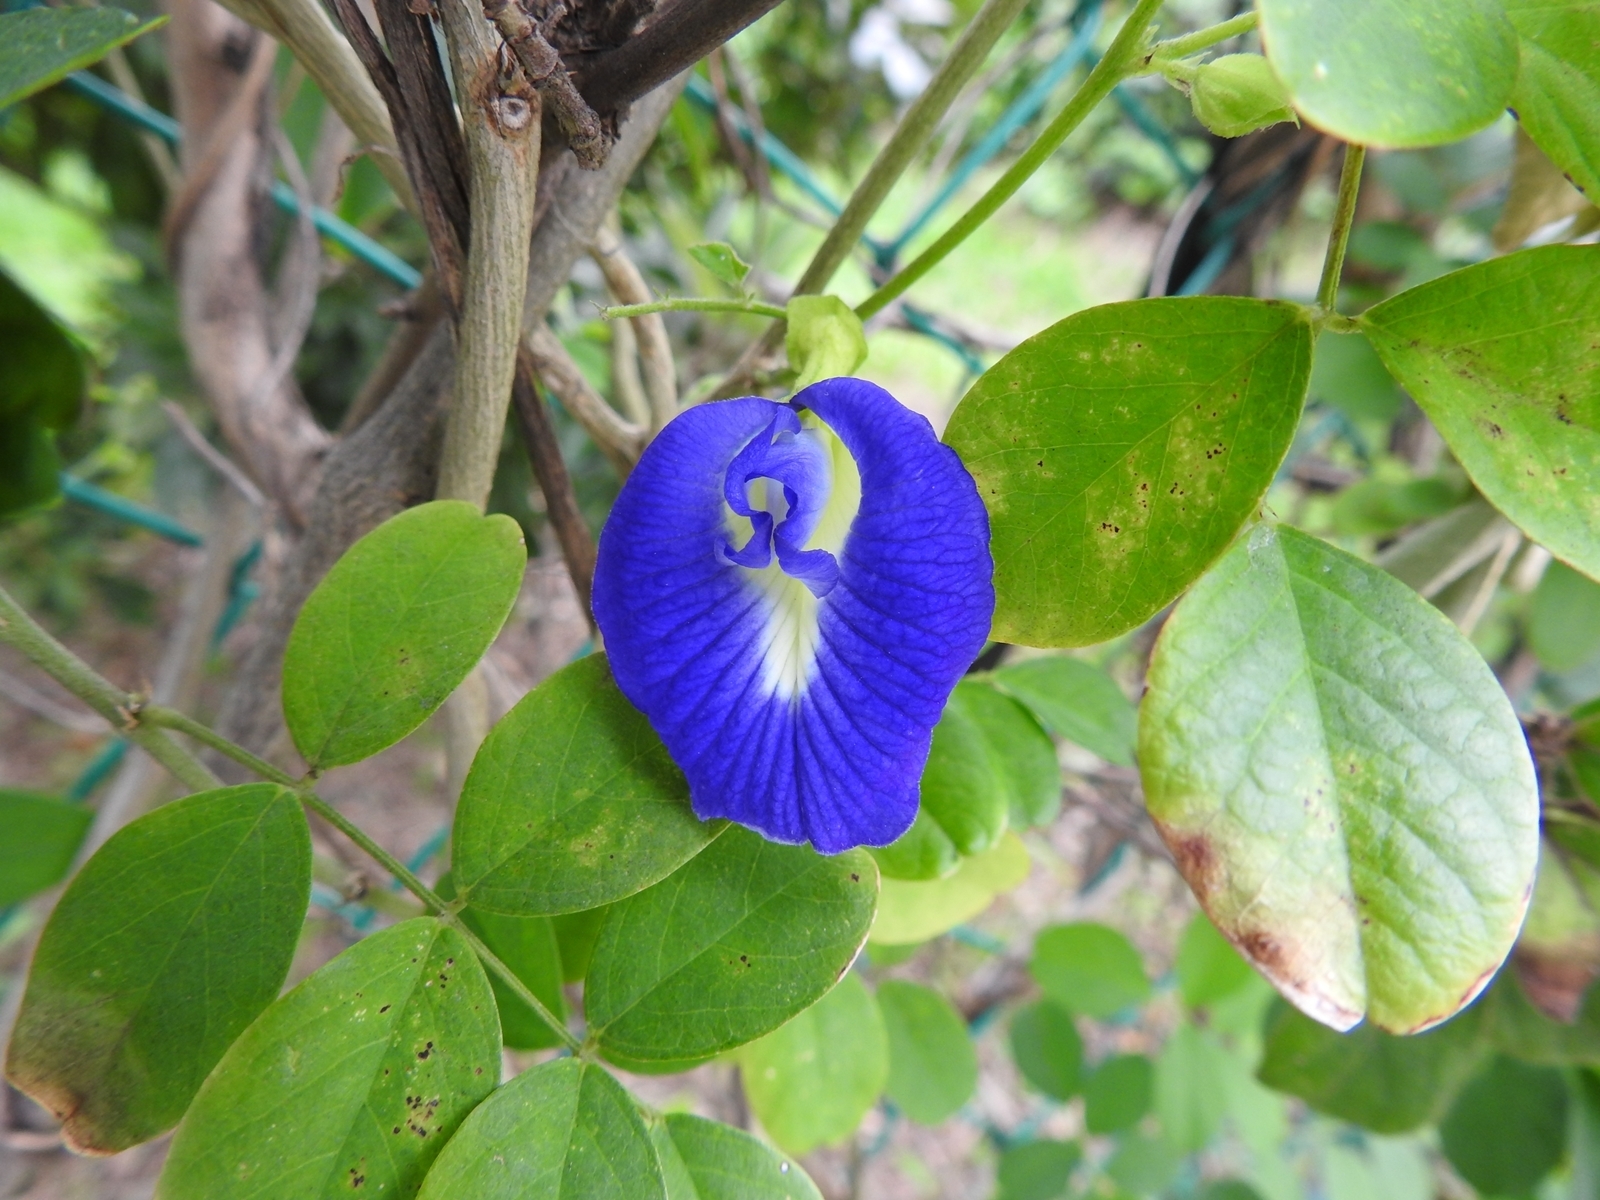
(338, 231)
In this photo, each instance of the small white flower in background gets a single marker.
(878, 42)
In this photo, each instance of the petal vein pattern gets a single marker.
(789, 592)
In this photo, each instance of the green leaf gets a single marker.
(1508, 1128)
(1519, 1029)
(1348, 374)
(1383, 74)
(1383, 1083)
(963, 788)
(730, 947)
(1557, 97)
(42, 836)
(1089, 968)
(1076, 701)
(912, 911)
(933, 1067)
(565, 1129)
(824, 339)
(1047, 1049)
(1120, 450)
(1208, 968)
(1023, 757)
(528, 946)
(173, 936)
(44, 45)
(395, 626)
(30, 465)
(723, 261)
(42, 374)
(1342, 782)
(572, 802)
(1230, 1189)
(1191, 1063)
(352, 1081)
(724, 1163)
(1237, 94)
(1144, 1165)
(1118, 1093)
(1500, 356)
(812, 1080)
(1037, 1170)
(1564, 619)
(924, 851)
(576, 934)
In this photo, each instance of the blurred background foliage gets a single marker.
(1156, 1093)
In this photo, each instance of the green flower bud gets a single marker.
(825, 339)
(1238, 93)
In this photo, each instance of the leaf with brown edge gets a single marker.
(169, 941)
(1342, 782)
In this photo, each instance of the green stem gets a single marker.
(18, 629)
(918, 124)
(1204, 39)
(1126, 55)
(440, 908)
(143, 726)
(171, 718)
(691, 304)
(1344, 214)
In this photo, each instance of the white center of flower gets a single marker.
(792, 632)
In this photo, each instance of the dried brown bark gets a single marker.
(224, 305)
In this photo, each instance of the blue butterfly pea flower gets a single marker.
(789, 592)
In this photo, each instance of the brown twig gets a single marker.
(680, 34)
(561, 502)
(542, 66)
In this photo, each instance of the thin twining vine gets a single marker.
(147, 725)
(1131, 53)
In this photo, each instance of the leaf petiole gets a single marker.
(1344, 215)
(691, 304)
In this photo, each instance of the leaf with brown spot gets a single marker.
(362, 1066)
(1342, 781)
(1162, 420)
(1525, 419)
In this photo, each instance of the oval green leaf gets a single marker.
(1076, 701)
(1209, 969)
(933, 1067)
(1023, 756)
(1120, 450)
(1118, 1094)
(45, 45)
(42, 836)
(1342, 782)
(1089, 968)
(572, 802)
(1508, 1128)
(963, 790)
(565, 1130)
(1379, 73)
(1037, 1170)
(166, 945)
(912, 911)
(1557, 97)
(924, 851)
(1383, 1083)
(395, 626)
(1564, 619)
(1504, 357)
(1047, 1048)
(812, 1080)
(351, 1082)
(724, 1163)
(735, 943)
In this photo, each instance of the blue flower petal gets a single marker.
(799, 697)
